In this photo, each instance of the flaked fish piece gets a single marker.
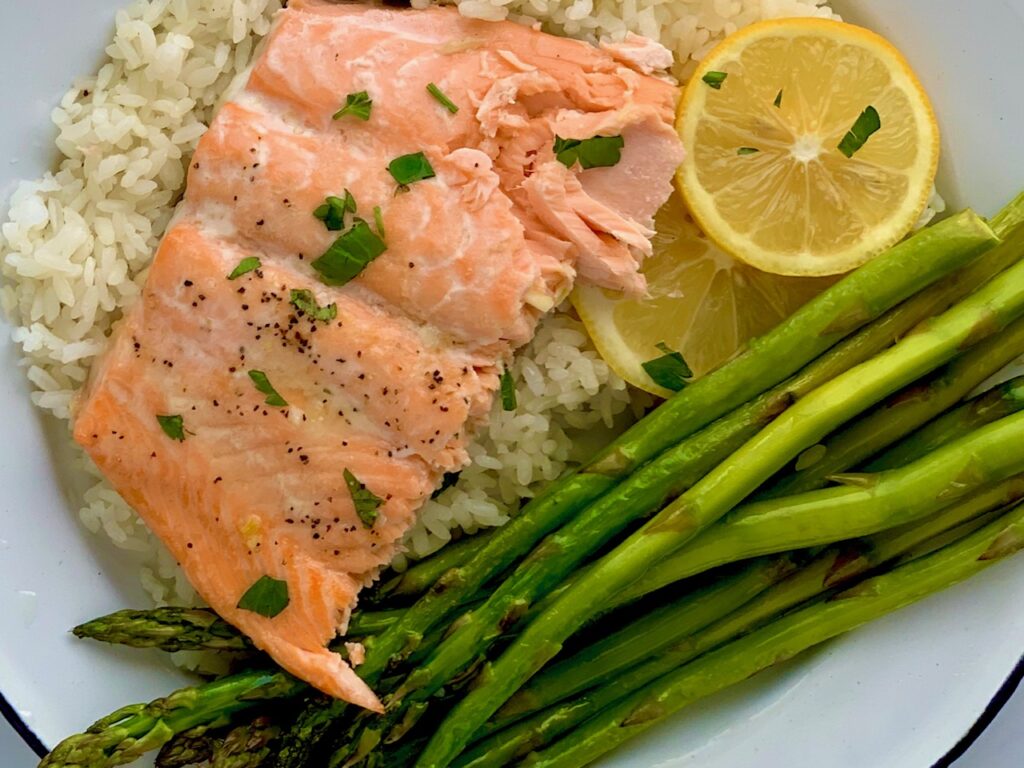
(277, 427)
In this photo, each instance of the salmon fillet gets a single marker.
(279, 433)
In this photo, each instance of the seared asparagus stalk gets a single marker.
(193, 629)
(783, 639)
(855, 301)
(984, 314)
(995, 404)
(667, 638)
(133, 731)
(905, 412)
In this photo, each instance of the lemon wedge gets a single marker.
(702, 303)
(812, 147)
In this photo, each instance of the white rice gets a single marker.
(77, 242)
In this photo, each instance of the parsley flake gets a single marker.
(867, 124)
(173, 427)
(670, 370)
(267, 597)
(409, 168)
(263, 386)
(443, 100)
(778, 100)
(715, 79)
(509, 401)
(304, 301)
(597, 152)
(356, 104)
(747, 151)
(333, 209)
(366, 502)
(349, 255)
(245, 266)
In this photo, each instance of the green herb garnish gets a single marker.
(409, 168)
(778, 99)
(670, 370)
(173, 427)
(509, 401)
(263, 385)
(349, 254)
(267, 597)
(304, 301)
(245, 266)
(715, 79)
(378, 219)
(868, 123)
(367, 503)
(445, 102)
(747, 151)
(598, 152)
(333, 209)
(356, 104)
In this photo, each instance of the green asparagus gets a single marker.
(978, 317)
(998, 402)
(191, 629)
(784, 639)
(135, 730)
(855, 301)
(663, 635)
(903, 413)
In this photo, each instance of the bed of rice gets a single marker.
(77, 241)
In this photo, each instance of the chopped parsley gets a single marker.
(715, 79)
(409, 168)
(597, 152)
(267, 597)
(378, 220)
(509, 401)
(366, 502)
(747, 151)
(173, 427)
(333, 209)
(443, 100)
(350, 254)
(778, 99)
(867, 124)
(449, 480)
(245, 266)
(670, 370)
(357, 104)
(263, 386)
(304, 301)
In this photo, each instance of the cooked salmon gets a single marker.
(278, 422)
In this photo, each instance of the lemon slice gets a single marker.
(702, 303)
(812, 146)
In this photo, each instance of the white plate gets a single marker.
(899, 694)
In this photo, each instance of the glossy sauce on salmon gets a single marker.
(269, 426)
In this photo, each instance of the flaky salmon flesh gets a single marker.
(322, 329)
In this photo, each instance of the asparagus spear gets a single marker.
(785, 638)
(980, 316)
(998, 402)
(910, 266)
(135, 730)
(903, 413)
(418, 578)
(667, 636)
(191, 629)
(170, 629)
(246, 746)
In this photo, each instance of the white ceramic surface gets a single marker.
(897, 694)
